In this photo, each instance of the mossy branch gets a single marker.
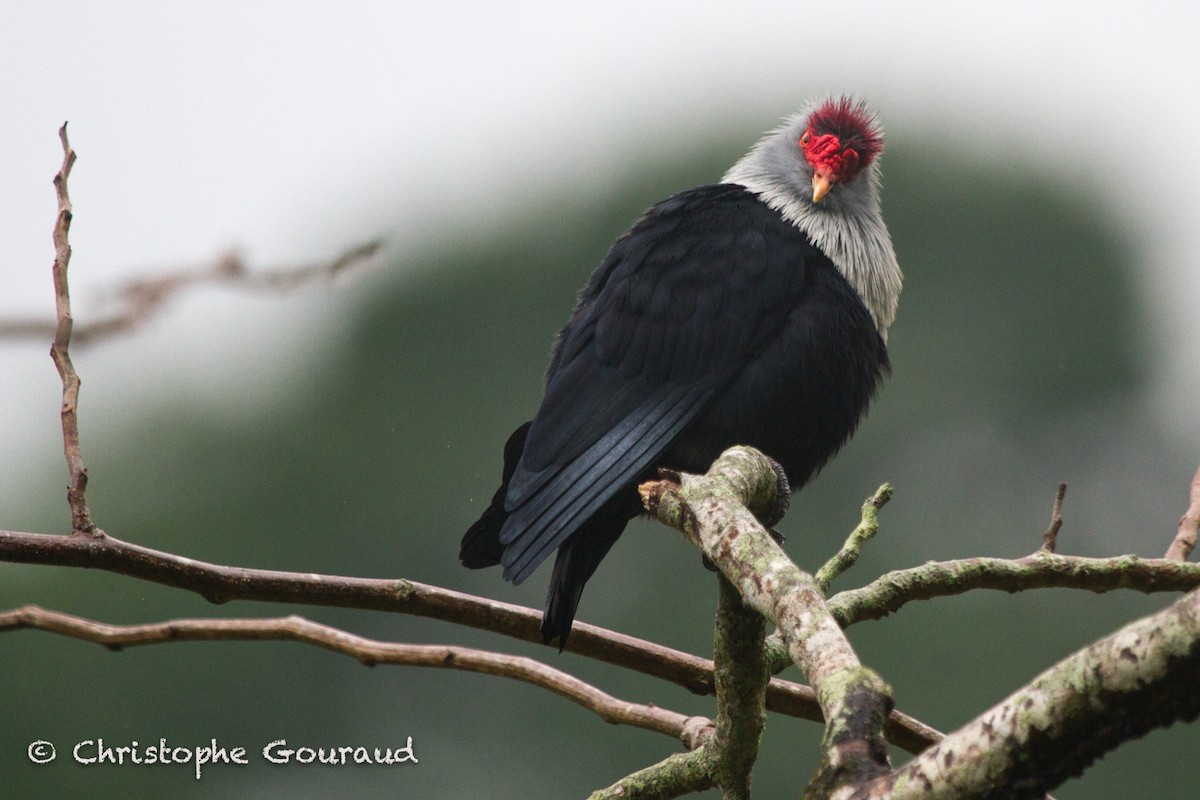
(866, 529)
(741, 674)
(674, 776)
(727, 757)
(714, 511)
(1140, 678)
(1114, 690)
(1041, 570)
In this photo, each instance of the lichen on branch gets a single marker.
(714, 512)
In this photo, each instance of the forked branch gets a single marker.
(714, 512)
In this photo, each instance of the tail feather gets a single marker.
(481, 543)
(578, 556)
(577, 560)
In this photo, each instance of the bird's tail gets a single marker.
(481, 543)
(577, 560)
(578, 556)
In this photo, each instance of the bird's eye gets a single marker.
(804, 139)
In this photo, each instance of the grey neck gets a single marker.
(847, 225)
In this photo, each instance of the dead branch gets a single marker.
(81, 516)
(1185, 539)
(1050, 537)
(220, 584)
(141, 299)
(691, 731)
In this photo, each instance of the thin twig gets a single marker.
(1185, 538)
(867, 527)
(141, 299)
(691, 731)
(81, 516)
(1050, 537)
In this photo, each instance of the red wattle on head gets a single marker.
(842, 139)
(827, 156)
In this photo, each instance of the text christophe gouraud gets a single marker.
(91, 752)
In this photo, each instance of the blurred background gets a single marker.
(1040, 186)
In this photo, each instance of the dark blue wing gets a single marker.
(679, 305)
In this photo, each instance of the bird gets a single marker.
(752, 311)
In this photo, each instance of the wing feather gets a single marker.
(533, 530)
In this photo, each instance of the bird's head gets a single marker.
(825, 152)
(841, 138)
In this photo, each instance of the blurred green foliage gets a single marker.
(1017, 363)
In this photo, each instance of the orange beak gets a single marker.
(821, 186)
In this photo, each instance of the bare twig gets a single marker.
(142, 298)
(81, 516)
(867, 527)
(1050, 537)
(1185, 539)
(691, 731)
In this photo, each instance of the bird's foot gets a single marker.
(783, 498)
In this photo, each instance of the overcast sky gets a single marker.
(291, 130)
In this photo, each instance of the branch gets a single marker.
(81, 516)
(741, 673)
(1050, 537)
(141, 299)
(714, 513)
(1041, 570)
(866, 529)
(727, 759)
(676, 775)
(692, 731)
(1189, 523)
(1140, 678)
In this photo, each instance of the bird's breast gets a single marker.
(802, 394)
